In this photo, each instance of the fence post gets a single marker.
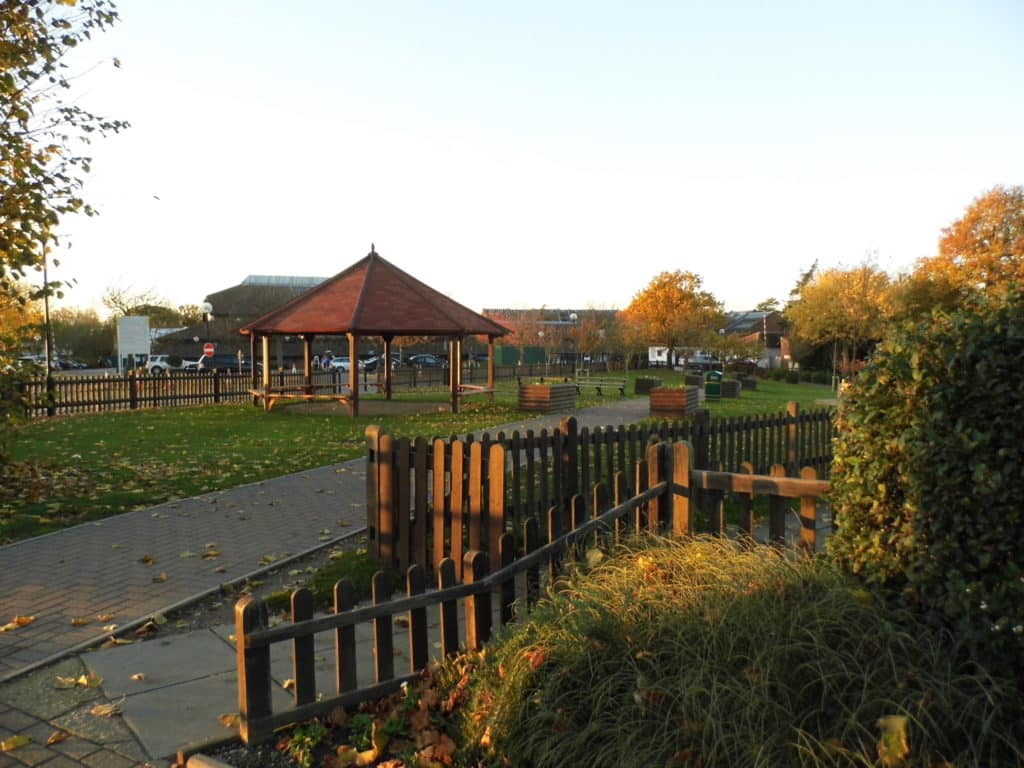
(253, 667)
(682, 463)
(495, 503)
(416, 584)
(385, 502)
(372, 485)
(449, 609)
(303, 665)
(808, 514)
(383, 640)
(570, 457)
(216, 385)
(792, 437)
(345, 638)
(655, 474)
(478, 607)
(133, 390)
(701, 438)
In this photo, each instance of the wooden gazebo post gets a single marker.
(455, 369)
(490, 369)
(307, 362)
(387, 367)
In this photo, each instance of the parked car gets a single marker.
(425, 361)
(225, 362)
(343, 364)
(157, 364)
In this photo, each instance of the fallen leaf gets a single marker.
(114, 641)
(110, 627)
(186, 554)
(220, 569)
(402, 621)
(894, 745)
(146, 629)
(289, 684)
(56, 738)
(105, 616)
(105, 710)
(230, 721)
(210, 554)
(84, 681)
(17, 623)
(80, 622)
(147, 559)
(160, 577)
(138, 677)
(13, 742)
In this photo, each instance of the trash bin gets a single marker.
(713, 385)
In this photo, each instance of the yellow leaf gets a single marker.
(346, 756)
(230, 721)
(894, 745)
(13, 742)
(159, 619)
(210, 554)
(138, 677)
(105, 710)
(160, 577)
(68, 3)
(289, 684)
(80, 622)
(56, 738)
(110, 627)
(17, 623)
(104, 617)
(147, 559)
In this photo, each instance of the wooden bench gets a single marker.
(600, 383)
(306, 394)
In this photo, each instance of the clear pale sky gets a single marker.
(539, 153)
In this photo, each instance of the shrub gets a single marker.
(715, 654)
(928, 477)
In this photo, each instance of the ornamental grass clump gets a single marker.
(713, 653)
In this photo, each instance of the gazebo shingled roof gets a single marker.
(372, 298)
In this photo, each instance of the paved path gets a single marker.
(121, 571)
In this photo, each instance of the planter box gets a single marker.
(730, 388)
(644, 385)
(748, 382)
(547, 398)
(674, 402)
(694, 379)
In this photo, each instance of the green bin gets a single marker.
(713, 385)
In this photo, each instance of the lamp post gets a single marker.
(207, 308)
(51, 409)
(540, 335)
(573, 317)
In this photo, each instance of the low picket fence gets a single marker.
(495, 585)
(428, 500)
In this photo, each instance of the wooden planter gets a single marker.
(694, 379)
(674, 402)
(730, 388)
(547, 398)
(643, 385)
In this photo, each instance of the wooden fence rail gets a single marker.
(431, 500)
(492, 589)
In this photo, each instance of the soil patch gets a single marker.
(369, 407)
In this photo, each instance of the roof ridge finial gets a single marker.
(372, 250)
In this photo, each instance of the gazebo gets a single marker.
(371, 298)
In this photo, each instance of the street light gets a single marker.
(540, 335)
(573, 317)
(207, 308)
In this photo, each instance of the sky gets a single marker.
(530, 154)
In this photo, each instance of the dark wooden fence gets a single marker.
(428, 500)
(489, 587)
(114, 392)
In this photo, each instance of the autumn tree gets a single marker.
(980, 253)
(673, 310)
(20, 318)
(844, 307)
(44, 133)
(83, 334)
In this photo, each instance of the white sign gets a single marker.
(132, 342)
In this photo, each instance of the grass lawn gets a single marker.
(73, 469)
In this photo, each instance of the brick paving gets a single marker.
(127, 568)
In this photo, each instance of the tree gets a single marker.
(980, 253)
(768, 305)
(81, 333)
(125, 301)
(847, 308)
(20, 318)
(673, 310)
(42, 131)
